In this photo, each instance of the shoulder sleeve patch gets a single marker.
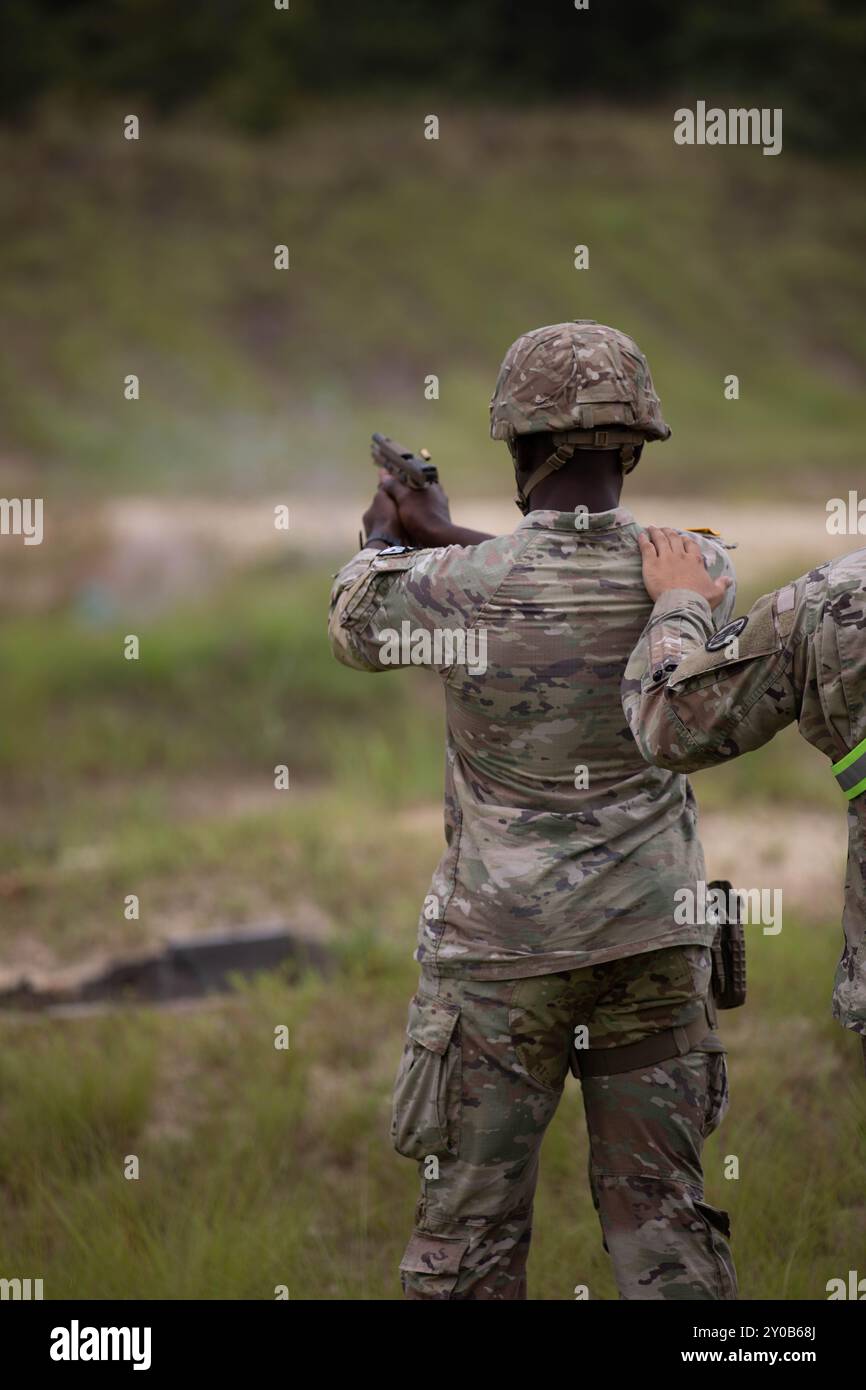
(720, 639)
(747, 638)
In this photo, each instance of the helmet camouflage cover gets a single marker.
(579, 375)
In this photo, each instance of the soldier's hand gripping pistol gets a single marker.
(412, 470)
(413, 483)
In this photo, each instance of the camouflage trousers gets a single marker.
(482, 1072)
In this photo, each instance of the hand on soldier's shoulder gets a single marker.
(672, 560)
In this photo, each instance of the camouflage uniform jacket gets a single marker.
(546, 867)
(694, 699)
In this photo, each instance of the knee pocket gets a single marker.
(715, 1218)
(718, 1232)
(435, 1260)
(427, 1110)
(487, 1258)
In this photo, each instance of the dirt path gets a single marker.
(184, 542)
(141, 554)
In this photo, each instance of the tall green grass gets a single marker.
(261, 1167)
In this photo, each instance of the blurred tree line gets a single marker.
(257, 67)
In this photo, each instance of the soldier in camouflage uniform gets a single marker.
(548, 937)
(695, 697)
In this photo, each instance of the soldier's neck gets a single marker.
(594, 482)
(564, 495)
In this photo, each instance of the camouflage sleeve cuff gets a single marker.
(683, 601)
(680, 621)
(351, 598)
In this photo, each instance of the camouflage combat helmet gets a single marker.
(585, 383)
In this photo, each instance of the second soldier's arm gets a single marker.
(695, 697)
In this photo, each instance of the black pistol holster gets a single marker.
(729, 946)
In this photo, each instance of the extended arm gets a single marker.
(695, 696)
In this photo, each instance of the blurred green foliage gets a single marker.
(257, 66)
(411, 257)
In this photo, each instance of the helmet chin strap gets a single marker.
(628, 442)
(560, 456)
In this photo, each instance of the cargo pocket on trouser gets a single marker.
(428, 1090)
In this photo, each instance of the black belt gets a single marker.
(646, 1052)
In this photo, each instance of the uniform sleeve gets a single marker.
(682, 620)
(396, 607)
(695, 697)
(718, 562)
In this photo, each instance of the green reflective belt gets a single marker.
(850, 771)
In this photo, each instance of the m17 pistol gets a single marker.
(414, 470)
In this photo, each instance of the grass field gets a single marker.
(261, 1167)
